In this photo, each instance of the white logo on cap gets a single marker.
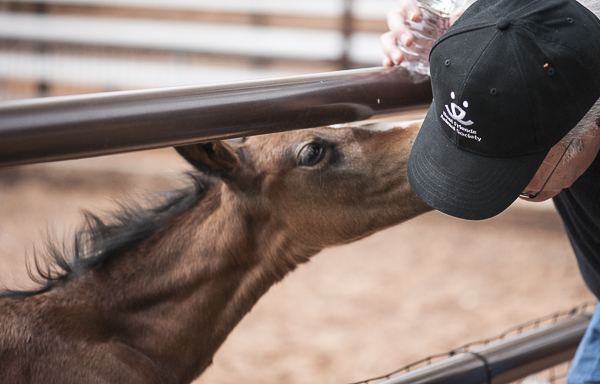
(453, 117)
(457, 112)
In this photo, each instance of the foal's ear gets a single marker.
(215, 157)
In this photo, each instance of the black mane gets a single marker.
(98, 240)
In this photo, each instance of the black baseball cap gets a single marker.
(510, 79)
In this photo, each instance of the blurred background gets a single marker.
(58, 47)
(353, 312)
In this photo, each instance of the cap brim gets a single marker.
(462, 184)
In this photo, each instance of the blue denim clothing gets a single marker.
(585, 368)
(579, 209)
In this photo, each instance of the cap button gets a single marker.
(503, 23)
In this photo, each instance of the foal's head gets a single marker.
(294, 192)
(326, 186)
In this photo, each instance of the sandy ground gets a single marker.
(355, 311)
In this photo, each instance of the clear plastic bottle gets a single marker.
(434, 21)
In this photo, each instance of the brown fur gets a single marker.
(155, 310)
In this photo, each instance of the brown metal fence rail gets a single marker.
(70, 127)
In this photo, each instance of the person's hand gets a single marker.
(399, 32)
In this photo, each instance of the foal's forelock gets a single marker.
(98, 240)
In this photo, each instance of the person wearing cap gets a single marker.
(515, 113)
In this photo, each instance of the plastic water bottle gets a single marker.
(435, 20)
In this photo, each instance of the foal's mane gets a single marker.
(98, 240)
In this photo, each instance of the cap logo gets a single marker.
(457, 112)
(453, 116)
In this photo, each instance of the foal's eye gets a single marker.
(311, 154)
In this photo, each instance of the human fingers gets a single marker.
(399, 28)
(410, 9)
(399, 31)
(387, 62)
(392, 55)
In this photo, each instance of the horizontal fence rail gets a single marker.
(317, 8)
(71, 127)
(60, 47)
(258, 42)
(504, 361)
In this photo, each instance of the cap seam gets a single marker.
(461, 30)
(570, 88)
(476, 63)
(530, 5)
(480, 25)
(457, 141)
(460, 180)
(562, 44)
(441, 190)
(573, 51)
(530, 96)
(507, 156)
(588, 11)
(484, 181)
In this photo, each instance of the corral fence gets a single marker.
(49, 55)
(59, 47)
(537, 352)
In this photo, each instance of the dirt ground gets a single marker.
(353, 312)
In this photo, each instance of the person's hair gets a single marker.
(574, 139)
(592, 5)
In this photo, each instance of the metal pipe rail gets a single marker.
(505, 361)
(71, 127)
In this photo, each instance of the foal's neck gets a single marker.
(183, 290)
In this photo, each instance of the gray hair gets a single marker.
(592, 5)
(574, 139)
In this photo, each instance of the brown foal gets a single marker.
(150, 296)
